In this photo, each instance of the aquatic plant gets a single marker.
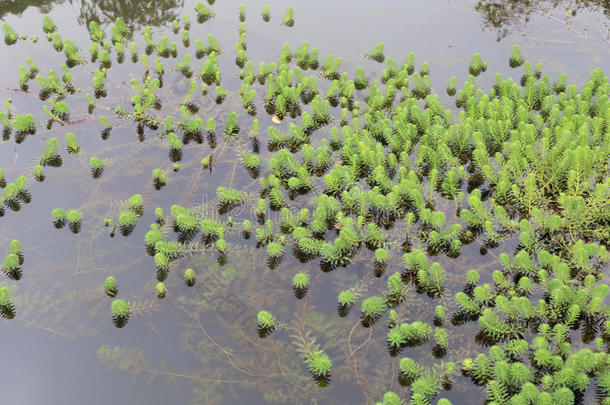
(477, 65)
(372, 308)
(266, 13)
(121, 311)
(24, 123)
(161, 290)
(189, 277)
(266, 323)
(203, 12)
(10, 35)
(48, 26)
(11, 266)
(288, 20)
(377, 53)
(110, 286)
(127, 221)
(159, 178)
(97, 166)
(7, 308)
(516, 58)
(74, 219)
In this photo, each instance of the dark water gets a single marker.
(199, 345)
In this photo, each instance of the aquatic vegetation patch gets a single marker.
(362, 172)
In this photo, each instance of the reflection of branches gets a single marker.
(134, 12)
(506, 15)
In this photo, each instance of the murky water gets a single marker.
(199, 345)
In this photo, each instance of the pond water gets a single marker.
(199, 345)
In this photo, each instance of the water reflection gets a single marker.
(135, 12)
(505, 16)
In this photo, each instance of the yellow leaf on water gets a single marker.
(276, 119)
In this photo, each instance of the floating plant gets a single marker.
(74, 219)
(289, 17)
(189, 277)
(266, 13)
(121, 311)
(362, 172)
(377, 53)
(110, 286)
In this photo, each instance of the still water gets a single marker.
(199, 345)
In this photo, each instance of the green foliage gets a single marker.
(120, 308)
(477, 65)
(10, 35)
(377, 53)
(288, 17)
(300, 281)
(189, 277)
(266, 13)
(161, 290)
(516, 59)
(110, 286)
(266, 320)
(74, 216)
(373, 307)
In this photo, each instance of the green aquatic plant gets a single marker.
(189, 277)
(24, 123)
(516, 58)
(72, 145)
(48, 26)
(11, 266)
(59, 216)
(97, 166)
(300, 284)
(161, 290)
(110, 286)
(477, 65)
(266, 13)
(7, 308)
(74, 219)
(266, 323)
(121, 311)
(232, 124)
(203, 12)
(377, 53)
(319, 365)
(159, 178)
(372, 309)
(288, 20)
(127, 221)
(451, 89)
(10, 35)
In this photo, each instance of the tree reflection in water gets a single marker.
(135, 13)
(507, 15)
